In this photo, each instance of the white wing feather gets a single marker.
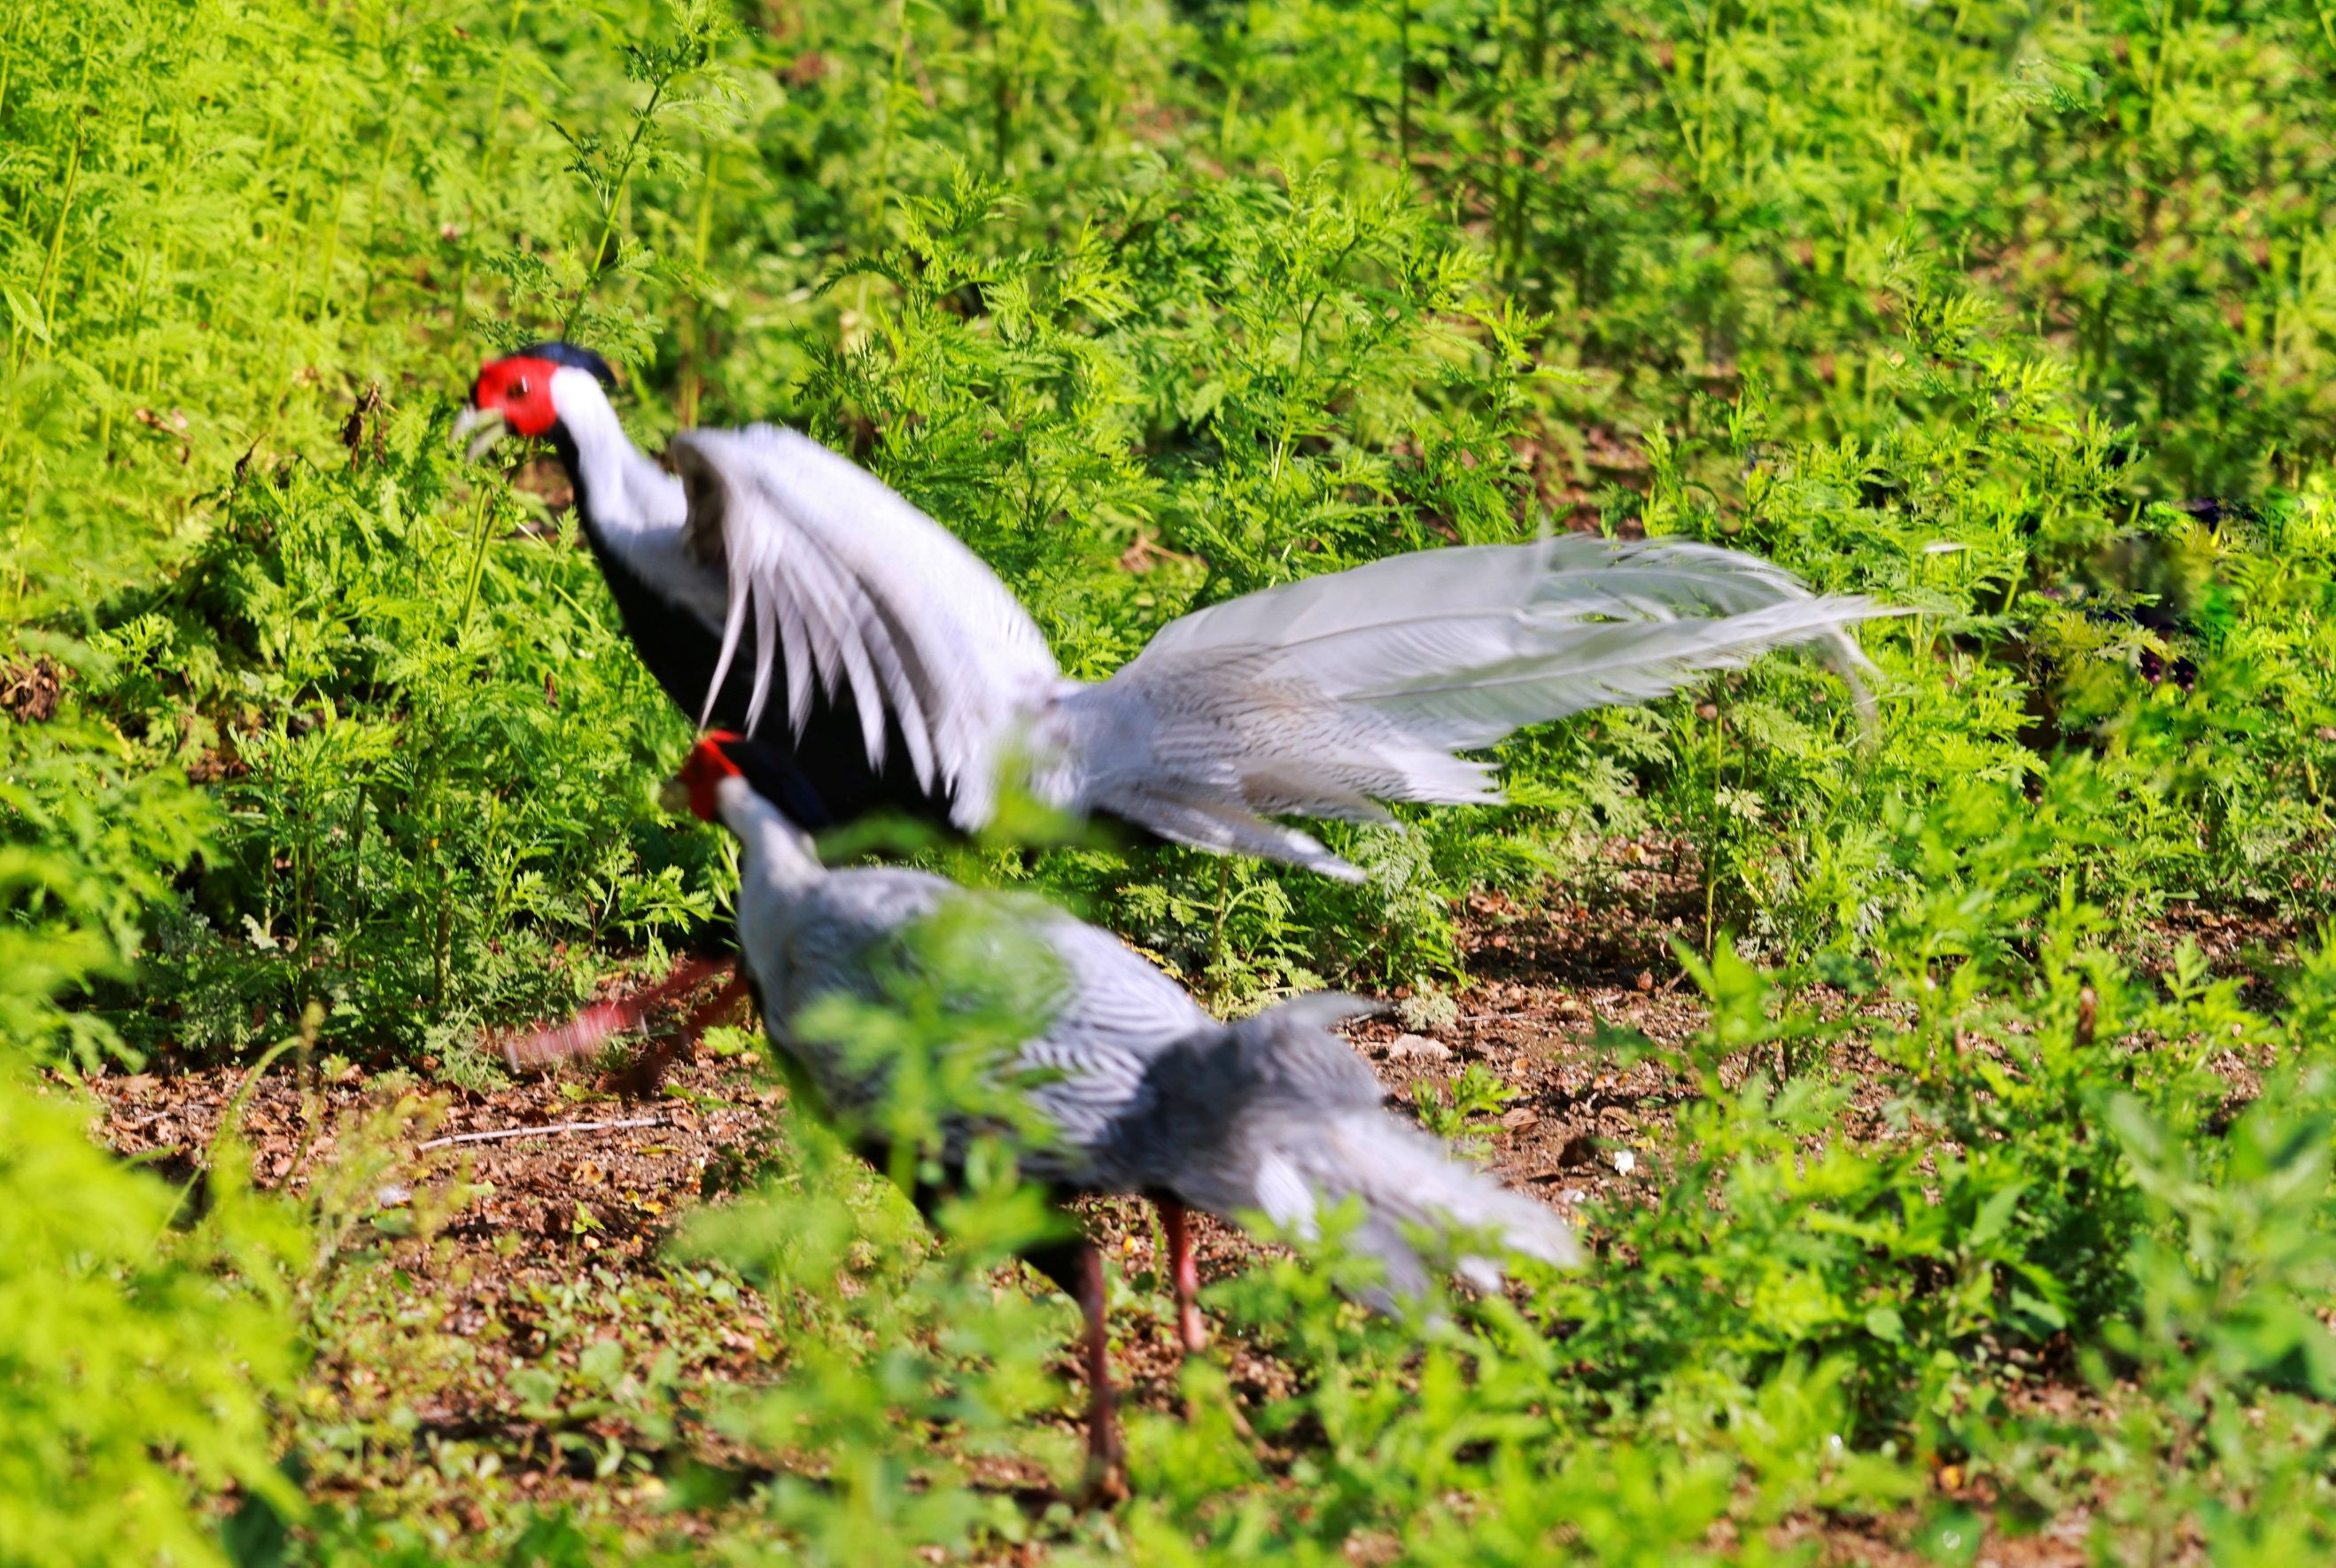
(858, 587)
(1473, 642)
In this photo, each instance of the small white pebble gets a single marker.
(1418, 1048)
(1625, 1162)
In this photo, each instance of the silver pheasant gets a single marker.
(777, 588)
(1141, 1091)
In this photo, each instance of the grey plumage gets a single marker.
(1275, 1114)
(1272, 1114)
(807, 933)
(1323, 696)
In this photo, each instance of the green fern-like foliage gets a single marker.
(133, 1381)
(2019, 317)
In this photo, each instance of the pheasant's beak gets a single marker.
(675, 796)
(487, 422)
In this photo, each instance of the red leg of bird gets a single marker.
(1177, 1221)
(705, 1018)
(597, 1024)
(1106, 1477)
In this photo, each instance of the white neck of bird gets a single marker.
(623, 489)
(773, 846)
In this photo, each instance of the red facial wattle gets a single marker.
(706, 770)
(519, 389)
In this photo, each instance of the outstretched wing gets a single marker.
(1320, 697)
(848, 585)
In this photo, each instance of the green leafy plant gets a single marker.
(1445, 1109)
(2017, 319)
(136, 1385)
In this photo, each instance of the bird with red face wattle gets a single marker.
(1135, 1089)
(777, 588)
(661, 545)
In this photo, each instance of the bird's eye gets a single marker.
(519, 390)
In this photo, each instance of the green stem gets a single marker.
(884, 131)
(442, 945)
(502, 85)
(331, 249)
(1001, 96)
(693, 322)
(486, 154)
(356, 847)
(1711, 857)
(1403, 88)
(8, 53)
(46, 292)
(1515, 158)
(641, 124)
(1217, 941)
(478, 564)
(395, 130)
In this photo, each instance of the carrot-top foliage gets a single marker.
(2020, 317)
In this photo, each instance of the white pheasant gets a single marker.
(777, 588)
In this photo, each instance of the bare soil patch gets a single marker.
(553, 1251)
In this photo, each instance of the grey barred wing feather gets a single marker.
(1324, 696)
(1108, 1016)
(854, 584)
(1118, 1016)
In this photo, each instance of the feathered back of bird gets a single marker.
(1099, 1012)
(1277, 1115)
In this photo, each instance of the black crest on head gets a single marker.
(573, 357)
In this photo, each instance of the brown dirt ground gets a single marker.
(555, 1246)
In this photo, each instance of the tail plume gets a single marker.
(1275, 1114)
(1408, 1182)
(1323, 696)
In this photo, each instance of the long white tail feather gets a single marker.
(1593, 666)
(1407, 1182)
(1576, 573)
(1319, 697)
